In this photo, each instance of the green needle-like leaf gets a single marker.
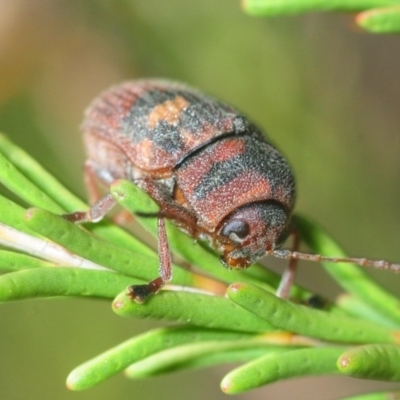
(61, 281)
(281, 365)
(223, 357)
(197, 356)
(99, 251)
(380, 20)
(173, 359)
(377, 16)
(11, 261)
(195, 309)
(138, 348)
(135, 200)
(309, 322)
(217, 329)
(36, 174)
(17, 183)
(372, 361)
(276, 7)
(13, 215)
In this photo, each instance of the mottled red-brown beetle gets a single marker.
(209, 168)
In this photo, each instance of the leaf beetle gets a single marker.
(209, 168)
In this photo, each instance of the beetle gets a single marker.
(210, 169)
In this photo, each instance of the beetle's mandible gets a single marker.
(209, 168)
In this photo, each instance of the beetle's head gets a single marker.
(250, 232)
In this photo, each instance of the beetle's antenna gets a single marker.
(364, 262)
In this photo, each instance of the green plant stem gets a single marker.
(371, 361)
(138, 348)
(276, 7)
(380, 20)
(62, 281)
(309, 322)
(281, 365)
(195, 309)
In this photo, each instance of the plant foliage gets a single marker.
(216, 319)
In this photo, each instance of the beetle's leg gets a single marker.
(168, 209)
(101, 204)
(289, 273)
(95, 213)
(140, 293)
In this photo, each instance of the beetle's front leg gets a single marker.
(95, 213)
(101, 205)
(140, 293)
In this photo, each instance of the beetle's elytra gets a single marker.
(209, 168)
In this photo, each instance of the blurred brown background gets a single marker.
(327, 94)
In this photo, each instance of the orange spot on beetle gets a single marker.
(168, 111)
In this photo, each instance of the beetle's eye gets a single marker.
(236, 227)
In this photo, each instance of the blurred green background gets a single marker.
(327, 94)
